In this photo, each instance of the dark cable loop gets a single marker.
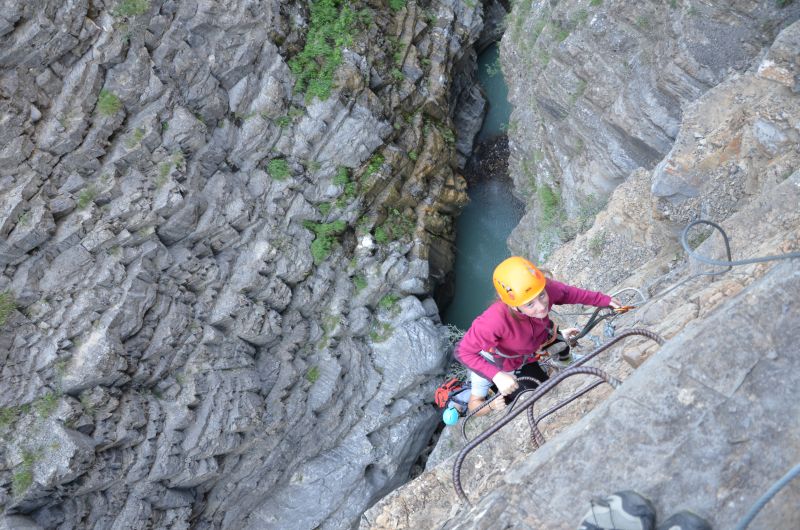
(543, 389)
(538, 392)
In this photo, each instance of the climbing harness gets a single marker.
(536, 436)
(454, 393)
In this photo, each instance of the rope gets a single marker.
(760, 503)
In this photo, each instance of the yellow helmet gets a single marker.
(517, 281)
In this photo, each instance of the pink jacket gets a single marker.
(514, 333)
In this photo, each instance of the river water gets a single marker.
(486, 222)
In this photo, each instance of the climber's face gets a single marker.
(536, 308)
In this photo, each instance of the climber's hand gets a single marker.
(497, 404)
(506, 383)
(568, 333)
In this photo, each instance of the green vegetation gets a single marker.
(23, 478)
(643, 22)
(389, 301)
(397, 74)
(396, 226)
(579, 90)
(580, 17)
(543, 56)
(326, 234)
(413, 155)
(448, 135)
(342, 177)
(380, 332)
(560, 33)
(538, 27)
(549, 205)
(8, 416)
(360, 282)
(397, 5)
(697, 239)
(375, 164)
(163, 170)
(783, 3)
(278, 169)
(86, 403)
(312, 374)
(325, 208)
(46, 405)
(283, 122)
(365, 16)
(60, 366)
(108, 103)
(596, 243)
(86, 196)
(330, 30)
(595, 3)
(381, 237)
(135, 138)
(7, 305)
(131, 8)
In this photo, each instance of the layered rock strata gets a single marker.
(599, 90)
(214, 284)
(715, 393)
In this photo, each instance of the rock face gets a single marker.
(601, 90)
(699, 423)
(214, 282)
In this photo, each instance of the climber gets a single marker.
(504, 342)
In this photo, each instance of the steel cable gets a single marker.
(505, 420)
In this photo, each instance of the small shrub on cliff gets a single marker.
(278, 169)
(549, 204)
(329, 31)
(108, 103)
(342, 177)
(23, 478)
(389, 301)
(360, 282)
(312, 374)
(8, 416)
(46, 405)
(131, 8)
(85, 197)
(596, 243)
(397, 5)
(326, 234)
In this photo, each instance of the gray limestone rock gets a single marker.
(207, 343)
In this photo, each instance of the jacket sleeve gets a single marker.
(480, 336)
(567, 294)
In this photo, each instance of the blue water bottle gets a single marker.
(450, 415)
